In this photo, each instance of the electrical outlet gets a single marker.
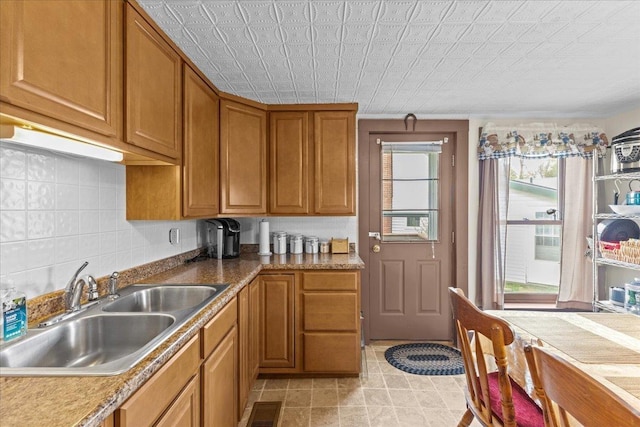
(174, 236)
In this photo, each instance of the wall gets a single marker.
(57, 211)
(324, 227)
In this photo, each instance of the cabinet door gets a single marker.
(244, 386)
(153, 89)
(277, 321)
(63, 59)
(220, 384)
(289, 163)
(185, 410)
(254, 329)
(334, 141)
(200, 153)
(243, 159)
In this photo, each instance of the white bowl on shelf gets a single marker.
(626, 209)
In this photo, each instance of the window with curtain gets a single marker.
(531, 232)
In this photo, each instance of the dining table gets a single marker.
(606, 346)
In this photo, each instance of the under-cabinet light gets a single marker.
(48, 141)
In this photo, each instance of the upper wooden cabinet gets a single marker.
(153, 82)
(63, 60)
(190, 191)
(312, 162)
(335, 164)
(243, 159)
(289, 162)
(200, 154)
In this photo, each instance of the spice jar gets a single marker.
(325, 247)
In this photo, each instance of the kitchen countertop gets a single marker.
(87, 401)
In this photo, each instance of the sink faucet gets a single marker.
(113, 285)
(73, 290)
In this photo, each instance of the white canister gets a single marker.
(296, 244)
(311, 244)
(279, 242)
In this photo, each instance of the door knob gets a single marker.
(376, 248)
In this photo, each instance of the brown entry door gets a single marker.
(410, 244)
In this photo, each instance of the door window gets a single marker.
(410, 191)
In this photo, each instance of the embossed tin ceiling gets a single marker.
(441, 58)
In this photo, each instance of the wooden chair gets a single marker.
(574, 393)
(492, 397)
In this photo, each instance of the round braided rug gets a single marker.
(425, 359)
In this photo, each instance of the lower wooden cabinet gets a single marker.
(310, 322)
(169, 390)
(248, 337)
(277, 343)
(219, 373)
(220, 383)
(185, 410)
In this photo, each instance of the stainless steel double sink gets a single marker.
(109, 337)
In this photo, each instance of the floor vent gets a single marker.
(264, 414)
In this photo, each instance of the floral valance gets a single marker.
(541, 140)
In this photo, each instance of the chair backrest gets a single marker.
(575, 393)
(470, 320)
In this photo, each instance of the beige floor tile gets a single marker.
(258, 385)
(420, 382)
(354, 416)
(376, 397)
(445, 383)
(403, 398)
(396, 381)
(321, 417)
(325, 383)
(253, 397)
(322, 397)
(298, 398)
(349, 382)
(386, 368)
(300, 384)
(440, 417)
(411, 417)
(373, 367)
(350, 397)
(374, 381)
(380, 356)
(295, 417)
(429, 399)
(273, 395)
(276, 384)
(382, 416)
(454, 400)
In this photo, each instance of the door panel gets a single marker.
(411, 207)
(429, 278)
(392, 287)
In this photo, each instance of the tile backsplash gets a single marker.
(57, 211)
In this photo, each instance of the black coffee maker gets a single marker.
(223, 235)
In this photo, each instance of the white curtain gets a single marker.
(492, 233)
(576, 279)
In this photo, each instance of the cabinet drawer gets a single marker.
(330, 311)
(214, 331)
(331, 352)
(330, 281)
(151, 400)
